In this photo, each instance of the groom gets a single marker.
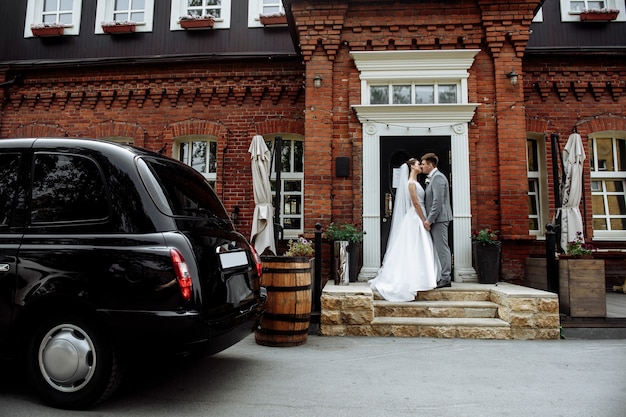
(438, 214)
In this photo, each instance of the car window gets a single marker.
(67, 188)
(9, 169)
(180, 191)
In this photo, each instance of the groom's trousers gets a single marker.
(439, 232)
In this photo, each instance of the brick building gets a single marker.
(357, 81)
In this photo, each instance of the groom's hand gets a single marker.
(427, 224)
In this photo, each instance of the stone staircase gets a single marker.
(467, 310)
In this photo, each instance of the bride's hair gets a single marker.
(410, 162)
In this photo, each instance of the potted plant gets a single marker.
(273, 19)
(196, 21)
(486, 249)
(581, 280)
(346, 239)
(288, 282)
(119, 26)
(598, 15)
(47, 29)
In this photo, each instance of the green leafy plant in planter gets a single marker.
(345, 231)
(486, 250)
(577, 248)
(340, 234)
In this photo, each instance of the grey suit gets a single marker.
(439, 214)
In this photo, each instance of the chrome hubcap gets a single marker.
(67, 358)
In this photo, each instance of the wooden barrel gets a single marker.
(288, 307)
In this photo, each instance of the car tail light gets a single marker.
(182, 274)
(257, 261)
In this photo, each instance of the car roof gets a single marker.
(54, 143)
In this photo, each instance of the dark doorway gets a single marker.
(394, 150)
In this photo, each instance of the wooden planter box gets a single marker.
(273, 20)
(536, 275)
(49, 31)
(197, 23)
(598, 17)
(581, 287)
(119, 29)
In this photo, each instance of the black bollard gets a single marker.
(552, 264)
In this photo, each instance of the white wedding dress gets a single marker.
(410, 263)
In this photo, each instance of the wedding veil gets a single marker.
(401, 204)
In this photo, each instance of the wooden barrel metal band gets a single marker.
(291, 318)
(272, 288)
(283, 332)
(268, 270)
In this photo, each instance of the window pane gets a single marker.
(67, 188)
(621, 154)
(424, 94)
(531, 151)
(66, 5)
(122, 5)
(286, 157)
(379, 94)
(295, 185)
(532, 205)
(595, 5)
(597, 202)
(533, 224)
(614, 186)
(292, 204)
(298, 156)
(213, 157)
(616, 204)
(605, 154)
(447, 93)
(9, 168)
(137, 17)
(292, 224)
(577, 6)
(183, 153)
(618, 224)
(401, 94)
(199, 157)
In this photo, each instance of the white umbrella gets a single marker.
(262, 235)
(571, 190)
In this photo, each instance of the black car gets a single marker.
(107, 249)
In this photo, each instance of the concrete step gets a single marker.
(455, 293)
(463, 328)
(436, 309)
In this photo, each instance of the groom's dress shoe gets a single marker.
(444, 285)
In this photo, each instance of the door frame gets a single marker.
(458, 132)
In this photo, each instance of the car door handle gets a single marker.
(4, 267)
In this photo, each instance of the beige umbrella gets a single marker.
(262, 236)
(571, 190)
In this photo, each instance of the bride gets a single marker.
(410, 263)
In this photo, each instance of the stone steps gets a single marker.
(466, 310)
(436, 309)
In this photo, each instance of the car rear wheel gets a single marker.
(71, 363)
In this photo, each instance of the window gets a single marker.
(570, 9)
(263, 7)
(67, 188)
(219, 9)
(200, 153)
(126, 140)
(414, 93)
(139, 11)
(66, 12)
(292, 184)
(537, 184)
(608, 184)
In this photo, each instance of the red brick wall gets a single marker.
(154, 104)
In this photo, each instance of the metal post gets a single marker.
(278, 163)
(316, 304)
(552, 264)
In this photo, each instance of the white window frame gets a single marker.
(211, 177)
(179, 8)
(539, 177)
(599, 176)
(567, 15)
(255, 9)
(288, 176)
(34, 15)
(104, 13)
(427, 83)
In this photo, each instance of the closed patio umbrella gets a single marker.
(571, 190)
(262, 236)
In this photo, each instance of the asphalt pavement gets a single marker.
(367, 376)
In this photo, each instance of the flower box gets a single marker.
(582, 287)
(273, 20)
(48, 31)
(598, 16)
(196, 23)
(122, 28)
